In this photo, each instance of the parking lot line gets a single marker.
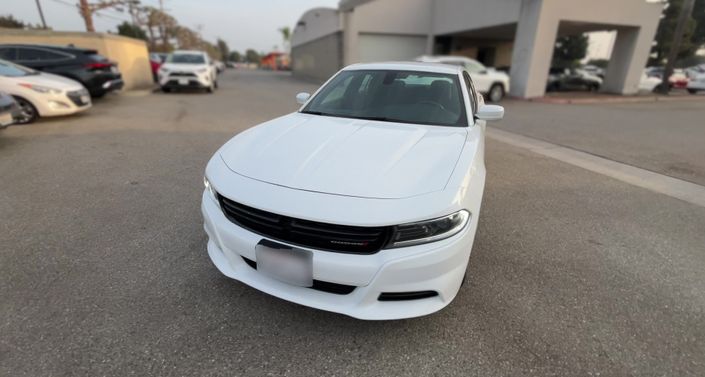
(673, 187)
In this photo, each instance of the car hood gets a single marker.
(348, 157)
(50, 80)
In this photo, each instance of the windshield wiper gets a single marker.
(320, 113)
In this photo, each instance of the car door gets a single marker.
(479, 76)
(8, 53)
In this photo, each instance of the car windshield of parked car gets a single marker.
(392, 96)
(186, 59)
(8, 69)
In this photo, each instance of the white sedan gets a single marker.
(42, 94)
(364, 202)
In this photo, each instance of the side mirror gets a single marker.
(490, 112)
(302, 97)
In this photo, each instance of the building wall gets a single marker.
(452, 16)
(315, 24)
(130, 54)
(319, 59)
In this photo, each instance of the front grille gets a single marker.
(75, 97)
(323, 286)
(316, 235)
(182, 74)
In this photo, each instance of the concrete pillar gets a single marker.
(629, 56)
(533, 50)
(350, 39)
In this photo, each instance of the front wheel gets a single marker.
(496, 93)
(693, 91)
(28, 113)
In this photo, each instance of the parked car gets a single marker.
(219, 66)
(561, 79)
(677, 80)
(9, 110)
(696, 84)
(488, 81)
(188, 69)
(40, 94)
(648, 84)
(594, 70)
(365, 202)
(93, 71)
(156, 59)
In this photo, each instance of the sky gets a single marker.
(241, 23)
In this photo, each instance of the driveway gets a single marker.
(103, 267)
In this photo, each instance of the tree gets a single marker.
(286, 37)
(251, 56)
(570, 50)
(235, 57)
(11, 22)
(223, 49)
(131, 30)
(693, 37)
(88, 9)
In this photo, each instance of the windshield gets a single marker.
(186, 59)
(392, 96)
(8, 69)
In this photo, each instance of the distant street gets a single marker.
(104, 271)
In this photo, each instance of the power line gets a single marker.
(97, 13)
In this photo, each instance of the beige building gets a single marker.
(503, 33)
(130, 54)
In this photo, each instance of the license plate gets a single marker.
(114, 69)
(285, 263)
(183, 81)
(85, 99)
(6, 119)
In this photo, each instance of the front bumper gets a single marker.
(196, 81)
(438, 267)
(64, 104)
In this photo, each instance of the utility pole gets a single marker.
(683, 17)
(86, 14)
(41, 14)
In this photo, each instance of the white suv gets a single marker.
(488, 81)
(188, 69)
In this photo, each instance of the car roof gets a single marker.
(51, 47)
(407, 66)
(188, 52)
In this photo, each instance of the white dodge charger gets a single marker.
(365, 202)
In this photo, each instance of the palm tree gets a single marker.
(286, 36)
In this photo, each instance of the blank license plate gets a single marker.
(285, 263)
(183, 81)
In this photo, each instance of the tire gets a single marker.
(212, 87)
(693, 91)
(496, 93)
(215, 83)
(28, 112)
(166, 90)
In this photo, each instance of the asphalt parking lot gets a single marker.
(103, 268)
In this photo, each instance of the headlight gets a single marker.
(163, 70)
(202, 70)
(41, 89)
(429, 231)
(211, 190)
